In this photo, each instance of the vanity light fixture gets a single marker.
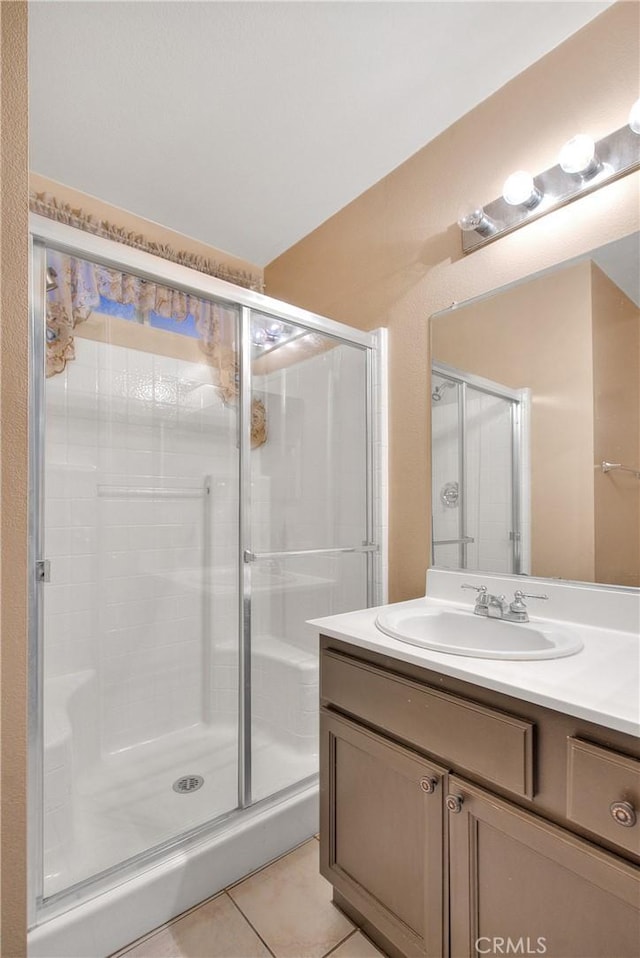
(583, 165)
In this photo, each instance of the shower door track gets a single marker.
(57, 904)
(46, 233)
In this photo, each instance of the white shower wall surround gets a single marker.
(489, 470)
(126, 661)
(126, 573)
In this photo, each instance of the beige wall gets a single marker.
(538, 335)
(616, 350)
(13, 475)
(392, 257)
(152, 232)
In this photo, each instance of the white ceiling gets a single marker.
(246, 125)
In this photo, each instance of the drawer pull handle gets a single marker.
(428, 785)
(454, 803)
(623, 813)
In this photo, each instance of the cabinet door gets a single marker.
(522, 886)
(381, 838)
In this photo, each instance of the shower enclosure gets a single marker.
(202, 484)
(480, 473)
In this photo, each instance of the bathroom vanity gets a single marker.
(458, 819)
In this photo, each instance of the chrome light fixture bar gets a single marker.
(584, 166)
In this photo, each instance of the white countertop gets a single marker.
(600, 684)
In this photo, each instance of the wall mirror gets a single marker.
(535, 414)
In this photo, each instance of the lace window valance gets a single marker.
(83, 288)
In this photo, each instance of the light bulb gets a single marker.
(274, 332)
(634, 117)
(520, 190)
(476, 220)
(578, 156)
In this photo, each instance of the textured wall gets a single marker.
(13, 459)
(392, 257)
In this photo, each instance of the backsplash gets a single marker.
(582, 602)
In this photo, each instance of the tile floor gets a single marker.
(282, 911)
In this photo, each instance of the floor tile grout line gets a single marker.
(123, 952)
(341, 942)
(253, 928)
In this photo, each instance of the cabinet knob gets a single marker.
(428, 785)
(454, 803)
(623, 813)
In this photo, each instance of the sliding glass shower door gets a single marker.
(309, 551)
(140, 592)
(201, 486)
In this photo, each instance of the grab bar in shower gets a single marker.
(610, 466)
(453, 542)
(255, 556)
(150, 492)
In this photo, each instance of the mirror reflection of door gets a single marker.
(480, 480)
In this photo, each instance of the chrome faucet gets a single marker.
(497, 607)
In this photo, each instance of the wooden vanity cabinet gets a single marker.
(509, 846)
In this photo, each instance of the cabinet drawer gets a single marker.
(603, 793)
(494, 745)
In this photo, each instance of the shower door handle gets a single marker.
(254, 556)
(452, 542)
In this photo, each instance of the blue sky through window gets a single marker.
(186, 327)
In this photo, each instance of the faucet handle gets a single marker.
(483, 595)
(518, 605)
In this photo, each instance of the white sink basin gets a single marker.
(459, 632)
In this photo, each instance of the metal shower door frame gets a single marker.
(46, 233)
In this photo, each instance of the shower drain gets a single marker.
(188, 783)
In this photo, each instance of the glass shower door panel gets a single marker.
(447, 494)
(140, 614)
(309, 526)
(489, 481)
(284, 659)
